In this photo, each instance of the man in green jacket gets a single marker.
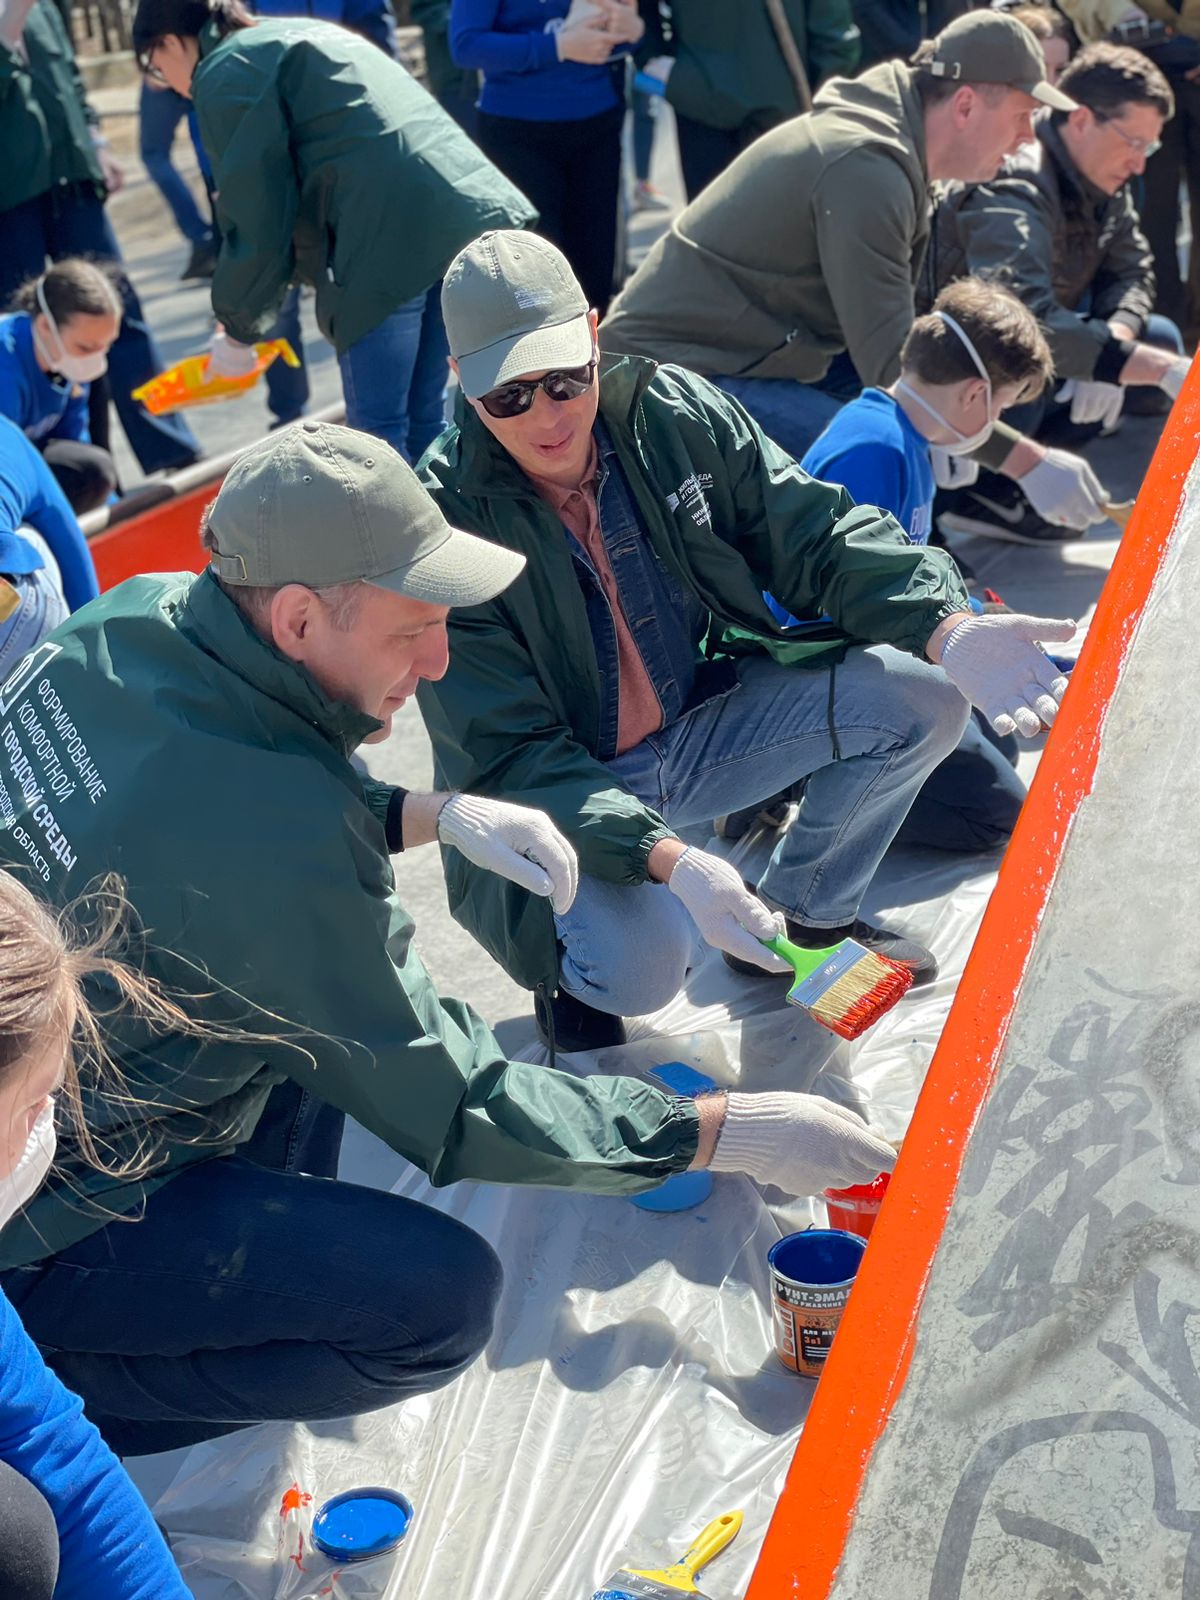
(333, 167)
(791, 280)
(193, 735)
(1060, 227)
(729, 75)
(633, 682)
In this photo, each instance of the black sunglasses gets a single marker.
(511, 399)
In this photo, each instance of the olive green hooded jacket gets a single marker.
(808, 244)
(334, 168)
(517, 713)
(156, 736)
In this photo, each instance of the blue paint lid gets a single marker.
(361, 1523)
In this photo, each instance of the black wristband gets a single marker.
(1114, 353)
(393, 825)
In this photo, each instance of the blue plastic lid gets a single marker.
(361, 1523)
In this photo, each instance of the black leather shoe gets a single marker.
(572, 1025)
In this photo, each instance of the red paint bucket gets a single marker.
(855, 1209)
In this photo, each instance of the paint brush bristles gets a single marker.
(846, 987)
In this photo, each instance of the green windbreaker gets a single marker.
(517, 713)
(335, 168)
(45, 139)
(155, 735)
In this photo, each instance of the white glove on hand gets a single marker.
(953, 472)
(1063, 489)
(1092, 401)
(998, 664)
(229, 359)
(516, 842)
(1172, 379)
(802, 1143)
(728, 916)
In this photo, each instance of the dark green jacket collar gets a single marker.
(211, 621)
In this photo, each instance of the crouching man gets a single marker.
(199, 731)
(633, 681)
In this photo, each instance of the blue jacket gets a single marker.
(29, 493)
(374, 19)
(41, 406)
(109, 1548)
(512, 43)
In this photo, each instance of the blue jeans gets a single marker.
(394, 378)
(972, 800)
(795, 414)
(287, 387)
(259, 1294)
(72, 222)
(161, 111)
(626, 949)
(42, 606)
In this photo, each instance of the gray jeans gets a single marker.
(40, 609)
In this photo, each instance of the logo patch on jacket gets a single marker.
(691, 496)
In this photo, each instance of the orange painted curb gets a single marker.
(165, 538)
(870, 1357)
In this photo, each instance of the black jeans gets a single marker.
(251, 1292)
(572, 173)
(705, 152)
(1178, 294)
(29, 1543)
(86, 474)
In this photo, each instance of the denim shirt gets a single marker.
(667, 622)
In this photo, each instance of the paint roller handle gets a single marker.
(720, 1532)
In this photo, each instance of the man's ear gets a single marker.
(291, 620)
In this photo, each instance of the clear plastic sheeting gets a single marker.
(631, 1392)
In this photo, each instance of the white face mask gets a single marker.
(964, 443)
(78, 369)
(27, 1177)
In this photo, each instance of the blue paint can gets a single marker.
(685, 1190)
(361, 1524)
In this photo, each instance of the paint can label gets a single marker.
(806, 1319)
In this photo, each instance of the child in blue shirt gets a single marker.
(979, 351)
(54, 344)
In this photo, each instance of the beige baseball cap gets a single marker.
(319, 504)
(512, 305)
(991, 47)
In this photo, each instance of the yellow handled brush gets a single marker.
(666, 1583)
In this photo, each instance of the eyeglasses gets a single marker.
(147, 68)
(513, 399)
(1142, 147)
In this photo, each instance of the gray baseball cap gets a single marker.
(318, 504)
(512, 305)
(991, 47)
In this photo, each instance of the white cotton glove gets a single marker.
(516, 842)
(659, 67)
(951, 471)
(1063, 489)
(998, 664)
(1172, 379)
(728, 916)
(229, 359)
(1092, 401)
(801, 1143)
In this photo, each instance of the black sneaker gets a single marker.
(573, 1025)
(737, 824)
(202, 262)
(996, 508)
(920, 962)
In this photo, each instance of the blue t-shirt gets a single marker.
(29, 493)
(109, 1548)
(43, 407)
(512, 43)
(872, 449)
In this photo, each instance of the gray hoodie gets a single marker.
(810, 243)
